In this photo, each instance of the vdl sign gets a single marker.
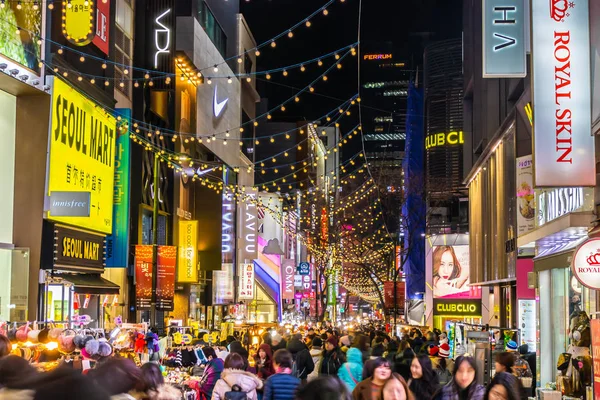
(504, 39)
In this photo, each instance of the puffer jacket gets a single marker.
(351, 371)
(281, 386)
(317, 357)
(245, 380)
(212, 373)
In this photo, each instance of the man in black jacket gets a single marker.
(304, 364)
(333, 357)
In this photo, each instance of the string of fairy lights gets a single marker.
(368, 221)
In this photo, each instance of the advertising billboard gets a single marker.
(525, 195)
(187, 271)
(166, 259)
(143, 276)
(451, 273)
(563, 145)
(82, 155)
(79, 17)
(22, 46)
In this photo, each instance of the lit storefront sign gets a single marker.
(586, 264)
(162, 36)
(78, 21)
(525, 195)
(370, 57)
(223, 285)
(227, 231)
(444, 139)
(82, 155)
(246, 275)
(117, 244)
(78, 250)
(462, 308)
(248, 228)
(288, 270)
(101, 40)
(563, 144)
(555, 203)
(188, 254)
(504, 39)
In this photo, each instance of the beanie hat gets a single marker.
(512, 346)
(433, 350)
(317, 342)
(444, 350)
(333, 340)
(345, 340)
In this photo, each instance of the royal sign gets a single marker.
(563, 145)
(586, 263)
(82, 155)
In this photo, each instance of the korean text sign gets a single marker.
(82, 155)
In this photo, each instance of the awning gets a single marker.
(91, 284)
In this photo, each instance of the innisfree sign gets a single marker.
(586, 263)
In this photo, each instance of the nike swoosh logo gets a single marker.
(218, 107)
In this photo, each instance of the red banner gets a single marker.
(388, 294)
(143, 276)
(165, 283)
(595, 331)
(101, 39)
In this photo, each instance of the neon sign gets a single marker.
(165, 46)
(371, 57)
(442, 139)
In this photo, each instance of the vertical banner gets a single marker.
(388, 295)
(332, 289)
(246, 276)
(223, 285)
(248, 227)
(595, 332)
(525, 195)
(101, 39)
(143, 276)
(288, 270)
(117, 244)
(166, 260)
(504, 39)
(563, 143)
(187, 270)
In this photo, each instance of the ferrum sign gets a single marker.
(504, 39)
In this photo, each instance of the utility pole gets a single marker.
(155, 203)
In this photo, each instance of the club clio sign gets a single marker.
(585, 264)
(563, 145)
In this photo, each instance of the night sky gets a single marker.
(409, 24)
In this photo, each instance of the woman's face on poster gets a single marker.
(446, 265)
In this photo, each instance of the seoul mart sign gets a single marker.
(586, 263)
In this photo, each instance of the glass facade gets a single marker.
(14, 291)
(212, 27)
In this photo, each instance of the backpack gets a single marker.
(236, 394)
(295, 371)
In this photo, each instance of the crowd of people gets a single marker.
(310, 365)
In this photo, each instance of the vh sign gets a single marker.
(504, 39)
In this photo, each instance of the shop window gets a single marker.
(123, 45)
(14, 291)
(212, 27)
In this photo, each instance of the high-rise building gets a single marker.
(444, 138)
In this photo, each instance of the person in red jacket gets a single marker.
(264, 362)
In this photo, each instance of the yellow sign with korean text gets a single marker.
(82, 156)
(187, 263)
(78, 21)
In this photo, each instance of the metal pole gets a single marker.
(155, 188)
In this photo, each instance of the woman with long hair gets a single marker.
(448, 277)
(396, 388)
(423, 381)
(464, 384)
(504, 386)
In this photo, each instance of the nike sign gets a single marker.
(218, 107)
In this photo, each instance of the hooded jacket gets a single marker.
(267, 369)
(351, 371)
(245, 380)
(302, 357)
(236, 347)
(317, 357)
(332, 361)
(212, 373)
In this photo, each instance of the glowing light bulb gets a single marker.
(308, 24)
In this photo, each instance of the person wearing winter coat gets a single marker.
(264, 362)
(464, 382)
(351, 371)
(212, 372)
(277, 342)
(301, 356)
(152, 385)
(236, 347)
(424, 382)
(372, 387)
(316, 352)
(282, 385)
(234, 374)
(333, 357)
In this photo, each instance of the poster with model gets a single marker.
(451, 273)
(525, 195)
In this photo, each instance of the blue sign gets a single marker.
(304, 268)
(117, 244)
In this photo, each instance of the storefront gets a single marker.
(448, 311)
(78, 209)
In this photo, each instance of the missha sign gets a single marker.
(563, 145)
(586, 263)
